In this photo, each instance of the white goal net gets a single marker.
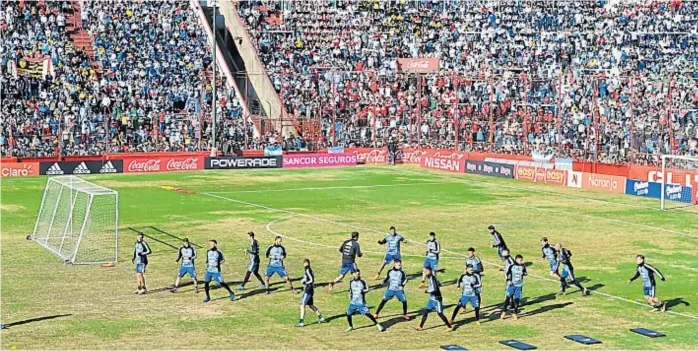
(678, 178)
(78, 221)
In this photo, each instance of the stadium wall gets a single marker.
(620, 179)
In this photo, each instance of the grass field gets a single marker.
(316, 210)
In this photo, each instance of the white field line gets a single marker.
(471, 180)
(639, 225)
(452, 252)
(646, 226)
(325, 246)
(327, 188)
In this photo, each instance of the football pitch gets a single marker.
(49, 305)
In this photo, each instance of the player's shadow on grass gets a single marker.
(538, 299)
(37, 319)
(545, 309)
(397, 318)
(677, 301)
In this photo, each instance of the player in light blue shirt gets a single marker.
(187, 254)
(396, 280)
(357, 301)
(392, 253)
(276, 255)
(214, 259)
(471, 283)
(515, 281)
(431, 260)
(550, 254)
(649, 284)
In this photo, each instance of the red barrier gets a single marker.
(654, 174)
(19, 169)
(163, 164)
(443, 163)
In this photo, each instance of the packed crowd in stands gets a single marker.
(607, 80)
(147, 88)
(515, 76)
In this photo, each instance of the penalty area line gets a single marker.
(294, 214)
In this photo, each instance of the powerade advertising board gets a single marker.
(673, 192)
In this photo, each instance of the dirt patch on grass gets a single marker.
(12, 208)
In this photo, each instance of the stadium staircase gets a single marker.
(258, 77)
(80, 37)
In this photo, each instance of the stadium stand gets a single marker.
(591, 79)
(612, 81)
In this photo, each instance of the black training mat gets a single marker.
(582, 339)
(647, 332)
(453, 348)
(517, 345)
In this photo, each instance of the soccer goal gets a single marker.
(679, 179)
(78, 221)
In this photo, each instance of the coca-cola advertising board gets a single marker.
(418, 65)
(370, 155)
(409, 156)
(163, 164)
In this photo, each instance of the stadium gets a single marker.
(312, 174)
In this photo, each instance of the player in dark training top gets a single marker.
(392, 253)
(141, 250)
(435, 302)
(253, 268)
(396, 280)
(497, 241)
(187, 254)
(276, 255)
(214, 259)
(550, 254)
(350, 249)
(357, 301)
(308, 282)
(471, 283)
(515, 280)
(567, 272)
(649, 284)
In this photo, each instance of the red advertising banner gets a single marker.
(443, 164)
(409, 156)
(526, 173)
(319, 160)
(19, 169)
(603, 182)
(370, 156)
(163, 164)
(654, 174)
(418, 65)
(556, 176)
(542, 175)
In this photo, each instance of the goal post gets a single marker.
(679, 180)
(78, 221)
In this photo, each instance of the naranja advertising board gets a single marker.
(489, 169)
(443, 164)
(603, 182)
